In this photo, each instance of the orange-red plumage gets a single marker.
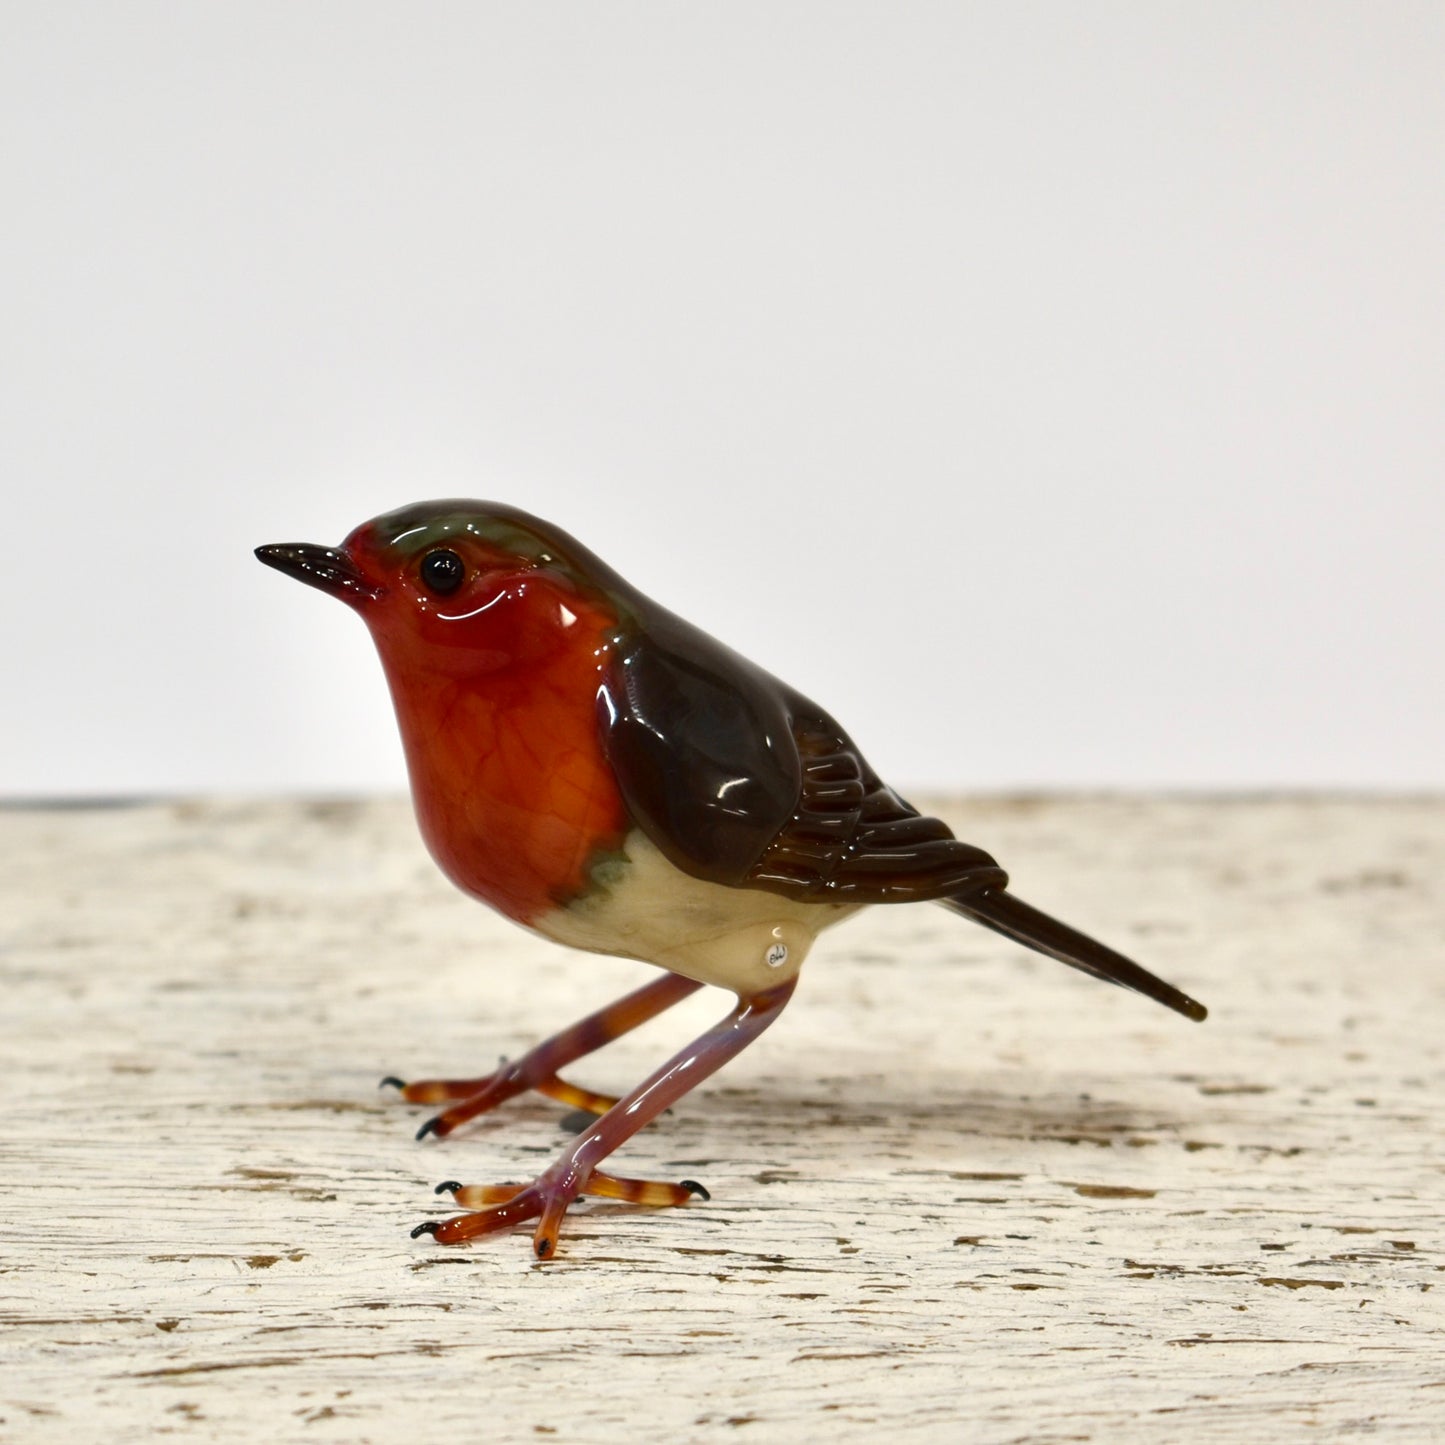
(512, 793)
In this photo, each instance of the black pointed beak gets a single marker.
(331, 571)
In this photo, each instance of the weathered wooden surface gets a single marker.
(958, 1191)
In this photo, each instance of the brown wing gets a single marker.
(851, 839)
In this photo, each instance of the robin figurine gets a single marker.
(609, 776)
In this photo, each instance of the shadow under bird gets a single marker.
(609, 776)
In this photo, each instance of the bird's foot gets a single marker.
(546, 1199)
(575, 1172)
(480, 1096)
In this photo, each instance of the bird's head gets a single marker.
(461, 585)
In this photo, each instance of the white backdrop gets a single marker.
(1055, 392)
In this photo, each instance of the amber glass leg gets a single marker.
(537, 1069)
(575, 1170)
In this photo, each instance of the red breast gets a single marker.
(497, 709)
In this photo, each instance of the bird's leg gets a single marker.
(537, 1068)
(575, 1170)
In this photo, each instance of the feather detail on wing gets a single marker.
(851, 839)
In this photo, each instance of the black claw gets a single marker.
(693, 1187)
(393, 1081)
(430, 1227)
(432, 1126)
(447, 1186)
(543, 1248)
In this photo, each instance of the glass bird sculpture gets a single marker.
(609, 776)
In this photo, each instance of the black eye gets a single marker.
(443, 571)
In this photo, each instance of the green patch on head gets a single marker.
(411, 530)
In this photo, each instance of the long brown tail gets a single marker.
(1001, 911)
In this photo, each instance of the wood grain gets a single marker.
(958, 1192)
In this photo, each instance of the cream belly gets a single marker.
(641, 906)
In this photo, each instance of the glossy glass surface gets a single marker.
(548, 709)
